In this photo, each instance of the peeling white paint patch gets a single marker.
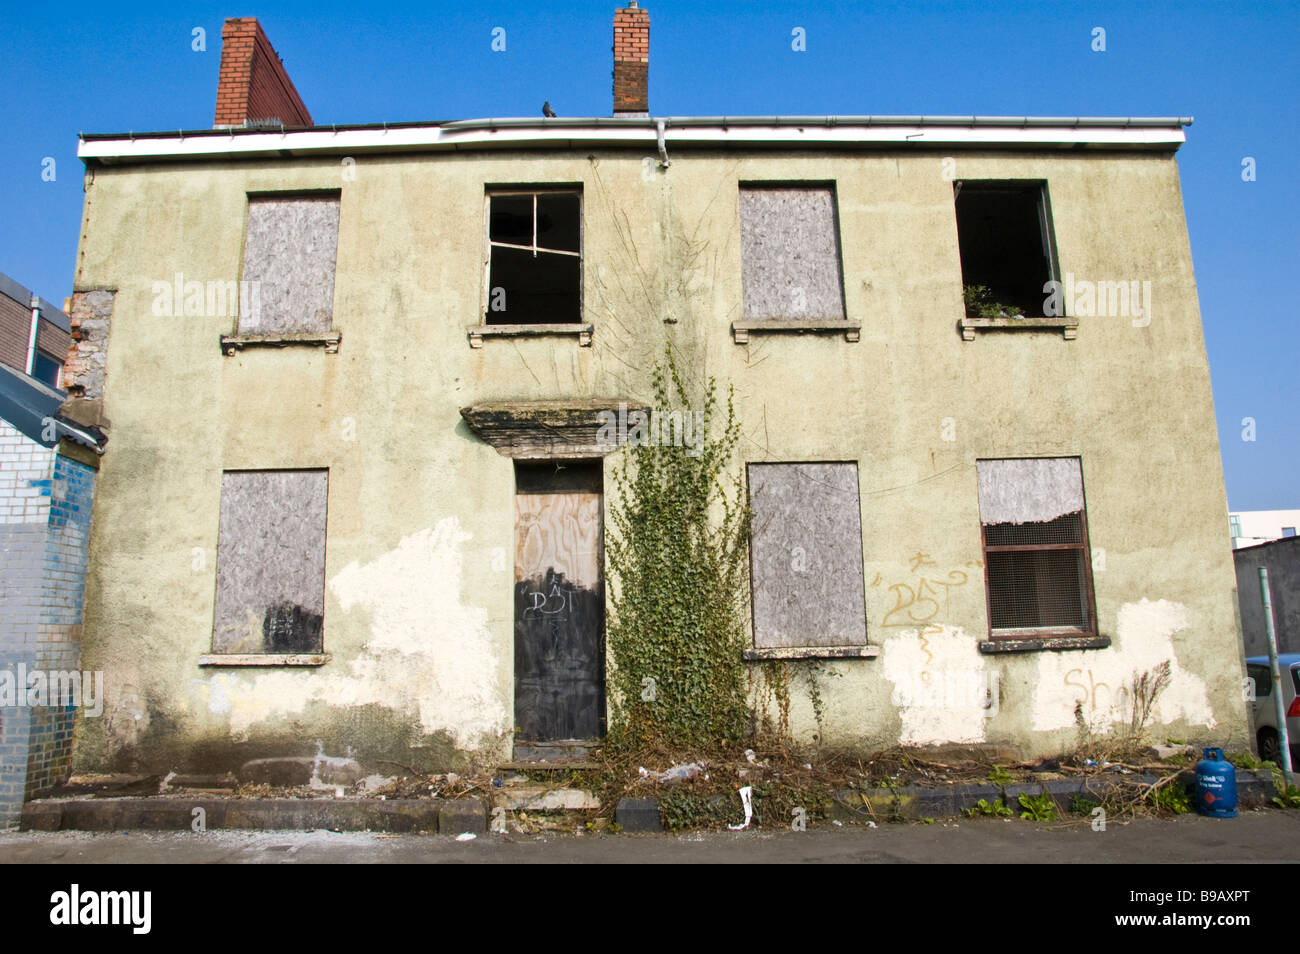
(426, 651)
(1101, 679)
(215, 699)
(941, 687)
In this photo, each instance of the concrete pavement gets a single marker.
(1256, 836)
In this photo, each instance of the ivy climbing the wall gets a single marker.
(678, 552)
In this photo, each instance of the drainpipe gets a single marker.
(663, 147)
(1284, 737)
(31, 340)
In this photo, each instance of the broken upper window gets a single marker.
(1036, 563)
(289, 258)
(271, 562)
(534, 274)
(806, 556)
(1004, 234)
(790, 253)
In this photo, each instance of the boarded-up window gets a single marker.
(1036, 563)
(271, 562)
(790, 253)
(289, 257)
(806, 556)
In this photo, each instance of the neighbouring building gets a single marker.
(1251, 527)
(47, 472)
(357, 491)
(1281, 558)
(34, 334)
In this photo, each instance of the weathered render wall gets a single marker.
(418, 597)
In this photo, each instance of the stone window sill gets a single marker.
(850, 329)
(478, 332)
(329, 340)
(1048, 642)
(264, 659)
(811, 652)
(1069, 327)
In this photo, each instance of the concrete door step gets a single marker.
(547, 800)
(561, 749)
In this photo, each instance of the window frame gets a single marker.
(37, 356)
(1063, 322)
(1019, 633)
(1043, 202)
(533, 190)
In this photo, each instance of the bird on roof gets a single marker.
(547, 111)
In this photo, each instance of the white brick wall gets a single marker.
(22, 460)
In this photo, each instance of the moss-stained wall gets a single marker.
(418, 599)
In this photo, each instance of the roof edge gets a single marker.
(1158, 133)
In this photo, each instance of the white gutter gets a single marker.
(683, 132)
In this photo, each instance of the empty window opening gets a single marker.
(1004, 236)
(534, 258)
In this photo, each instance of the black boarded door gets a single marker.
(559, 602)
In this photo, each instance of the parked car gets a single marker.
(1266, 735)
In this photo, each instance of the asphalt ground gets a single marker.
(1266, 835)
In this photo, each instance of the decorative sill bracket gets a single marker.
(478, 332)
(1069, 327)
(1047, 643)
(811, 652)
(329, 340)
(834, 326)
(264, 659)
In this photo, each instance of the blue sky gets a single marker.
(93, 67)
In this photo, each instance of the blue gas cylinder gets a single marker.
(1216, 786)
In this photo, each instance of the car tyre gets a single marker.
(1270, 750)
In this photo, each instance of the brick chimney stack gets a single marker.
(253, 87)
(631, 60)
